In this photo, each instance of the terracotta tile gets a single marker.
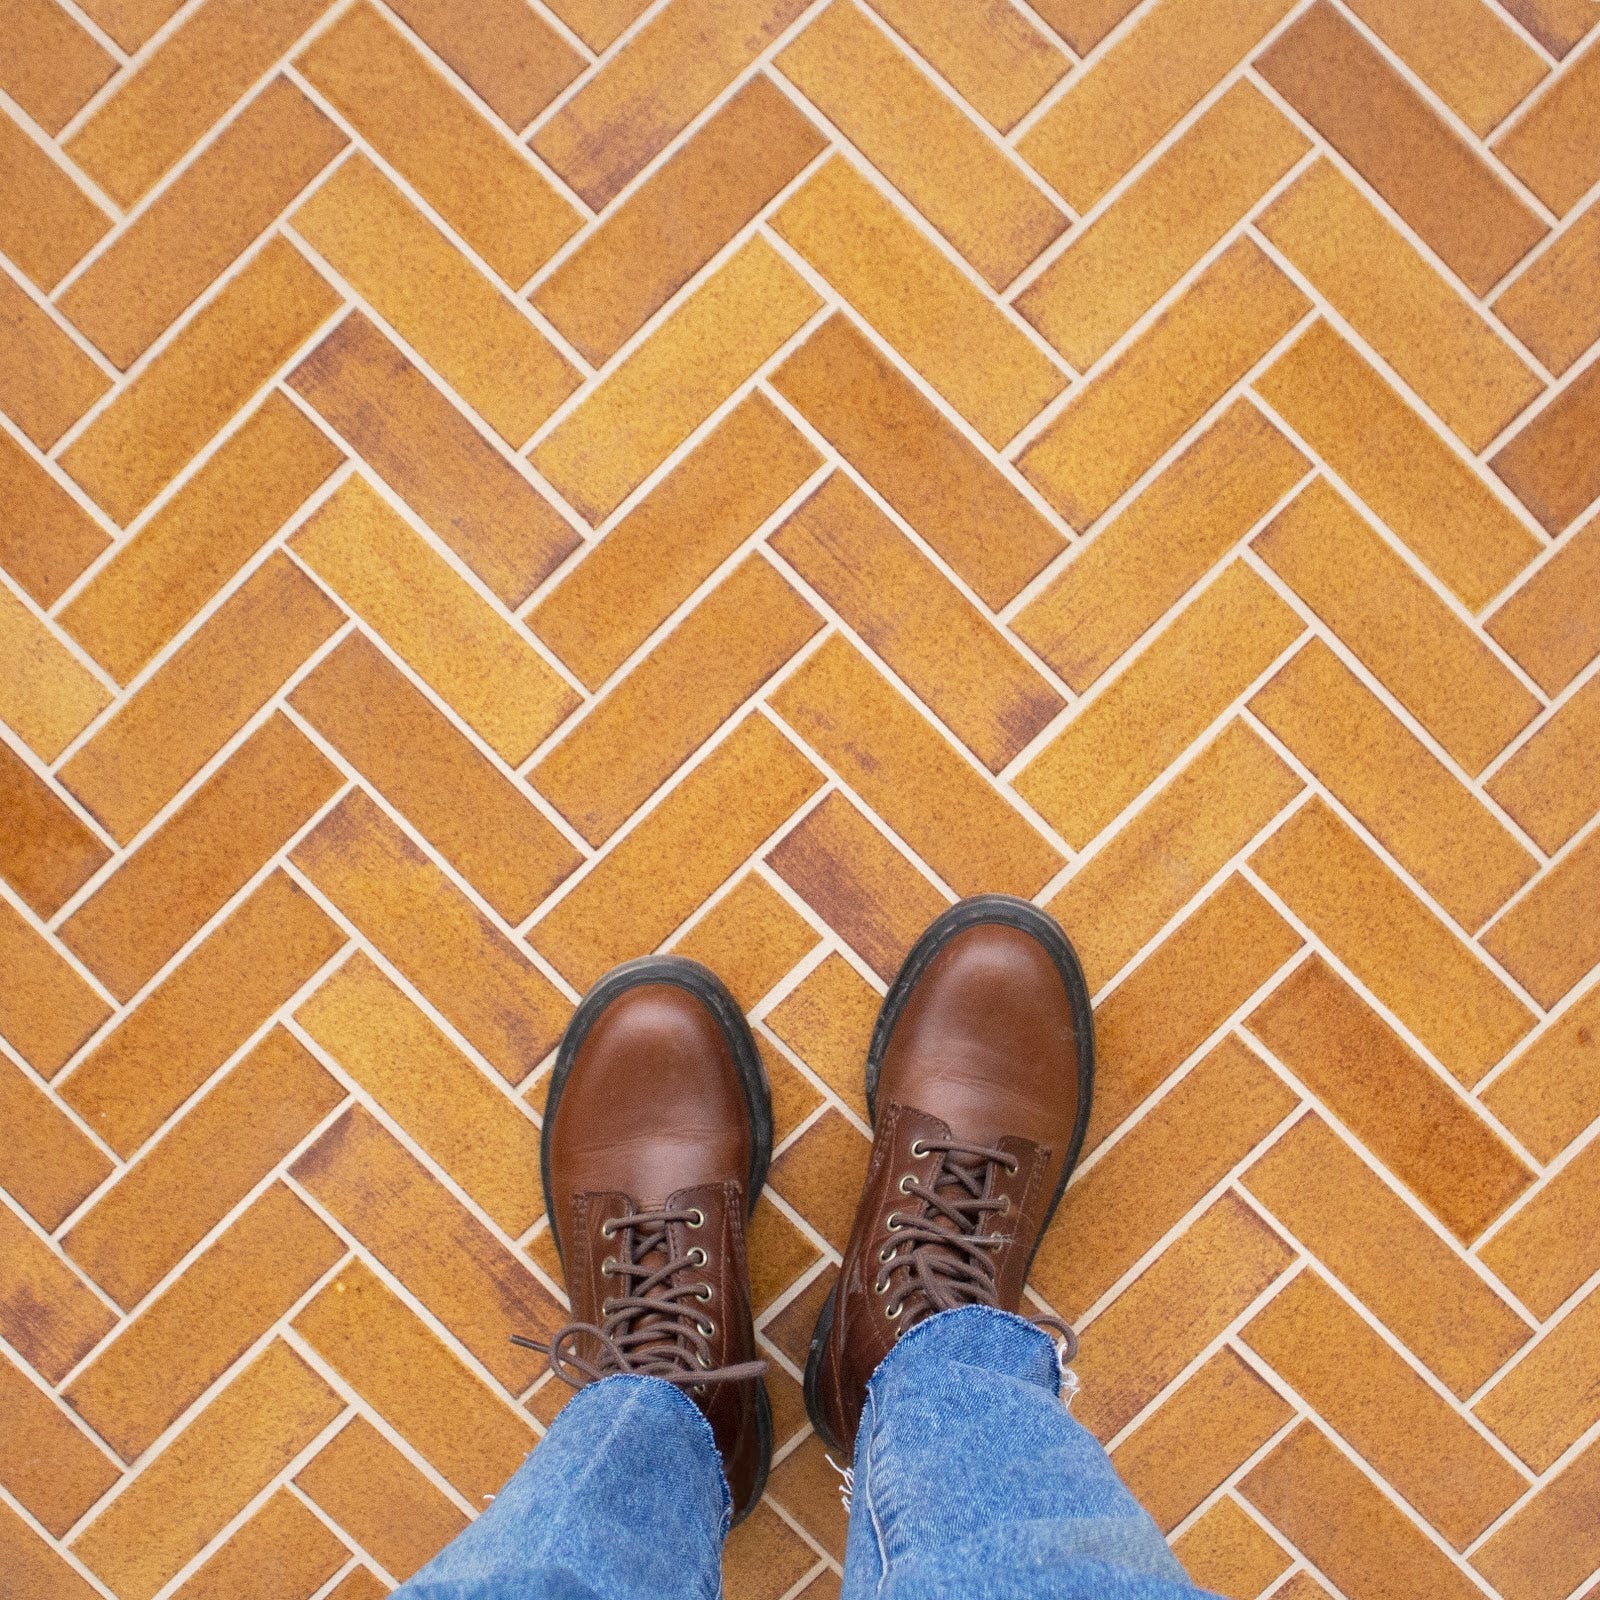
(827, 1021)
(598, 22)
(685, 847)
(46, 1010)
(47, 696)
(1432, 824)
(418, 1231)
(668, 385)
(764, 1557)
(1557, 24)
(1138, 89)
(1326, 1506)
(1548, 940)
(412, 1380)
(779, 1253)
(794, 1096)
(1180, 994)
(200, 857)
(157, 580)
(1551, 1093)
(50, 1466)
(1407, 637)
(380, 1499)
(1140, 564)
(646, 249)
(1083, 23)
(47, 854)
(1365, 1235)
(1551, 625)
(1553, 148)
(1553, 465)
(821, 1175)
(1177, 1305)
(949, 493)
(1145, 873)
(1399, 304)
(49, 223)
(663, 549)
(1161, 385)
(202, 1166)
(200, 1013)
(46, 538)
(672, 701)
(791, 1329)
(188, 1336)
(483, 186)
(1372, 116)
(858, 883)
(284, 1540)
(130, 22)
(901, 767)
(210, 1472)
(434, 620)
(1302, 1586)
(1548, 307)
(788, 1409)
(31, 1562)
(750, 938)
(1545, 1403)
(1179, 1150)
(807, 1487)
(52, 65)
(1161, 702)
(46, 381)
(48, 1315)
(1114, 270)
(1551, 1545)
(46, 1164)
(415, 916)
(1231, 1554)
(647, 93)
(360, 1584)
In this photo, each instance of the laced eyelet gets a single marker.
(893, 1313)
(918, 1148)
(607, 1306)
(704, 1293)
(705, 1361)
(706, 1329)
(608, 1266)
(895, 1222)
(699, 1218)
(1005, 1205)
(607, 1231)
(906, 1182)
(697, 1257)
(881, 1286)
(886, 1252)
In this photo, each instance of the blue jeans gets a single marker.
(971, 1479)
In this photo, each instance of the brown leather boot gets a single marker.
(978, 1080)
(657, 1133)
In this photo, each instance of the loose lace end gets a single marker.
(847, 1486)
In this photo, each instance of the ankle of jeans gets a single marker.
(975, 1336)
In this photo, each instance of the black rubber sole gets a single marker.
(984, 908)
(707, 987)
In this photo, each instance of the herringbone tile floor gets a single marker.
(493, 487)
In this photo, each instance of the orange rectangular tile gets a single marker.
(47, 696)
(1115, 269)
(205, 1476)
(1548, 941)
(1370, 114)
(1181, 1148)
(764, 1557)
(434, 620)
(1552, 785)
(46, 853)
(402, 1369)
(200, 1013)
(794, 1096)
(1229, 1552)
(779, 1254)
(201, 856)
(1119, 898)
(283, 1539)
(661, 551)
(1328, 1508)
(945, 649)
(1549, 307)
(201, 696)
(1083, 23)
(205, 1163)
(476, 818)
(666, 386)
(750, 938)
(911, 776)
(827, 1021)
(1551, 1093)
(1553, 465)
(1551, 625)
(47, 539)
(749, 785)
(1180, 994)
(1557, 24)
(418, 1231)
(1399, 304)
(477, 179)
(48, 223)
(182, 1341)
(383, 1502)
(1552, 1245)
(46, 1010)
(1433, 1141)
(49, 1465)
(651, 89)
(1138, 89)
(478, 1135)
(1123, 581)
(857, 882)
(47, 1165)
(598, 22)
(53, 65)
(360, 1583)
(159, 578)
(821, 1174)
(951, 494)
(1545, 1403)
(130, 22)
(1117, 744)
(1402, 632)
(1553, 149)
(1552, 1544)
(31, 1563)
(482, 984)
(46, 381)
(673, 700)
(807, 1488)
(1433, 825)
(1172, 1310)
(48, 1315)
(1216, 1420)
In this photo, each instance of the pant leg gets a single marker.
(624, 1497)
(972, 1478)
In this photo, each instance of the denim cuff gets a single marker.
(975, 1336)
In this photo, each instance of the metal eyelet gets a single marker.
(705, 1361)
(894, 1315)
(697, 1257)
(607, 1231)
(1005, 1205)
(607, 1306)
(887, 1251)
(896, 1222)
(881, 1286)
(706, 1329)
(918, 1148)
(608, 1266)
(699, 1218)
(906, 1182)
(705, 1292)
